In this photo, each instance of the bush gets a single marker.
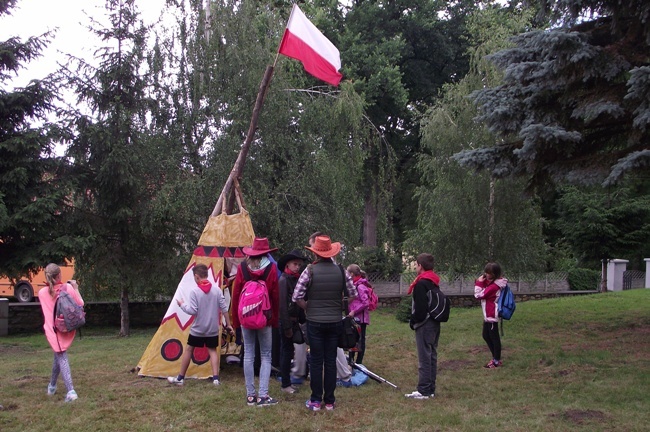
(403, 312)
(581, 279)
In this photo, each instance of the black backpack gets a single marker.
(439, 304)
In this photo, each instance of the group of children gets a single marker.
(281, 278)
(286, 316)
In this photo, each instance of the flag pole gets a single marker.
(238, 168)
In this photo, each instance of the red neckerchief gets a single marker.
(291, 273)
(356, 278)
(204, 285)
(427, 274)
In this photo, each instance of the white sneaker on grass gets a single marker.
(71, 396)
(51, 389)
(216, 381)
(417, 395)
(175, 380)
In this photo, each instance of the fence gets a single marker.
(633, 279)
(464, 284)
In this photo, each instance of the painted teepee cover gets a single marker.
(219, 247)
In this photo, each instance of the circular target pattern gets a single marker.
(171, 350)
(200, 355)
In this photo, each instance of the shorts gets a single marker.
(203, 341)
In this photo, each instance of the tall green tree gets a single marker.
(33, 181)
(574, 102)
(467, 219)
(398, 55)
(127, 203)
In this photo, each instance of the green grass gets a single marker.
(578, 363)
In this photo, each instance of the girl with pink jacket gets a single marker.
(487, 288)
(60, 342)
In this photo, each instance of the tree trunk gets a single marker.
(125, 322)
(370, 220)
(491, 221)
(603, 279)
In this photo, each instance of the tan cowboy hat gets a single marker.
(323, 247)
(260, 247)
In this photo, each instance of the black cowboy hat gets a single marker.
(293, 255)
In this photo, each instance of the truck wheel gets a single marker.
(24, 293)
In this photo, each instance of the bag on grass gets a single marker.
(506, 303)
(68, 315)
(254, 309)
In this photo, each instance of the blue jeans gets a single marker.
(323, 342)
(265, 338)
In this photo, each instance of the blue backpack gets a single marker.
(506, 303)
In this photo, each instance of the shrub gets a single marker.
(581, 279)
(403, 312)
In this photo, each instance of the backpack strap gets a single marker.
(248, 276)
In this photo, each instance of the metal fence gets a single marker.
(633, 279)
(464, 284)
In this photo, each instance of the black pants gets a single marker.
(492, 338)
(361, 346)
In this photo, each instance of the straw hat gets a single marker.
(323, 247)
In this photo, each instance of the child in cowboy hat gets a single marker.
(320, 291)
(291, 316)
(257, 266)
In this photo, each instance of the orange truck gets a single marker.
(26, 288)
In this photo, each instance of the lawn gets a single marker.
(575, 363)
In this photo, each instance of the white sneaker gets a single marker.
(51, 389)
(417, 395)
(71, 396)
(175, 380)
(216, 382)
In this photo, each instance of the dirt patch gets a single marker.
(9, 407)
(455, 365)
(582, 416)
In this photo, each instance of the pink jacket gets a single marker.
(58, 341)
(360, 303)
(489, 293)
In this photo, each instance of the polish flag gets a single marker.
(303, 41)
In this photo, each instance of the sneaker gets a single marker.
(341, 383)
(417, 395)
(71, 396)
(492, 364)
(51, 389)
(330, 407)
(266, 401)
(251, 400)
(290, 390)
(175, 380)
(312, 405)
(216, 381)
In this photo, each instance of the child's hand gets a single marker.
(179, 302)
(229, 330)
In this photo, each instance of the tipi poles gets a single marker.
(238, 168)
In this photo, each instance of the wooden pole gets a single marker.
(238, 168)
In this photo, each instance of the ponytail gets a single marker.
(52, 276)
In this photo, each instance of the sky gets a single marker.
(70, 18)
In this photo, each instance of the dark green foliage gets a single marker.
(375, 260)
(581, 279)
(403, 310)
(598, 225)
(33, 181)
(574, 102)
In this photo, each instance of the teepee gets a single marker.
(220, 249)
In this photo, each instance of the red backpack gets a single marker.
(254, 309)
(373, 300)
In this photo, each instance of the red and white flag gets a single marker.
(303, 41)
